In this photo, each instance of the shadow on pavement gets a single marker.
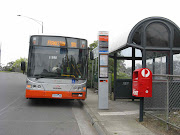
(55, 103)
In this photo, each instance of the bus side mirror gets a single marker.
(23, 66)
(91, 55)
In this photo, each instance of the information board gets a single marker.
(103, 72)
(103, 60)
(103, 41)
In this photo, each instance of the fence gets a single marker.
(165, 101)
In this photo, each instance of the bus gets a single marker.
(57, 67)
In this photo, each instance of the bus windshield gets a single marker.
(53, 62)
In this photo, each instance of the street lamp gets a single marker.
(39, 22)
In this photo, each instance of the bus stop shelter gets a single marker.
(152, 43)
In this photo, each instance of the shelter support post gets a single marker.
(153, 71)
(92, 74)
(167, 64)
(133, 59)
(171, 62)
(115, 74)
(133, 63)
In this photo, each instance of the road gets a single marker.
(21, 116)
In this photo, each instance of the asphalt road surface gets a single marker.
(21, 116)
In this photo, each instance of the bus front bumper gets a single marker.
(55, 94)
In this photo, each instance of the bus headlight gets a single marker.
(34, 86)
(79, 88)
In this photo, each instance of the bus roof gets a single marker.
(41, 35)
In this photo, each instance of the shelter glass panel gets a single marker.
(138, 64)
(125, 53)
(156, 61)
(160, 65)
(176, 64)
(124, 69)
(138, 53)
(149, 64)
(137, 36)
(176, 41)
(157, 35)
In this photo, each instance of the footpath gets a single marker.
(120, 119)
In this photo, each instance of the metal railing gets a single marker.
(165, 101)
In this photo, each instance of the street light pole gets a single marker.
(42, 27)
(37, 21)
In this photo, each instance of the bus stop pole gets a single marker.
(141, 106)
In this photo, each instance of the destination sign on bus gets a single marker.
(72, 43)
(53, 41)
(83, 44)
(59, 42)
(56, 43)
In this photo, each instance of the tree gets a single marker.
(9, 66)
(17, 64)
(92, 46)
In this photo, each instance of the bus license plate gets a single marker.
(57, 95)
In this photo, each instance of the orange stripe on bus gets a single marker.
(48, 94)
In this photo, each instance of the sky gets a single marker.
(73, 18)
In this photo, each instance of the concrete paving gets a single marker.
(120, 119)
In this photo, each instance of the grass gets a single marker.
(6, 71)
(159, 127)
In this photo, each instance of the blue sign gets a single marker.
(73, 81)
(103, 51)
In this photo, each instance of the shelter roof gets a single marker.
(123, 38)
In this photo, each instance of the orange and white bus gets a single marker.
(57, 67)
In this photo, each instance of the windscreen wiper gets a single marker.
(70, 76)
(75, 67)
